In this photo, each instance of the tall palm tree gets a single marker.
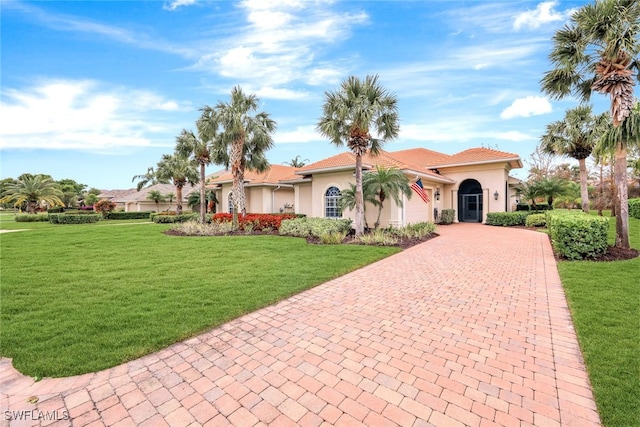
(575, 136)
(629, 132)
(363, 115)
(157, 197)
(598, 51)
(32, 190)
(242, 137)
(199, 147)
(148, 178)
(179, 171)
(386, 182)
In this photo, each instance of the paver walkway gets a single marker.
(470, 328)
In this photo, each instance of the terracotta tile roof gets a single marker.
(476, 155)
(273, 175)
(133, 195)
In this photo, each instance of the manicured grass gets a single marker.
(81, 298)
(604, 298)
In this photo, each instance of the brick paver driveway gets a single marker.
(470, 328)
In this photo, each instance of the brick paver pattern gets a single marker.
(468, 329)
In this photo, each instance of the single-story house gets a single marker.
(473, 182)
(132, 200)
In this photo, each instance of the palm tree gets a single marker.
(629, 132)
(575, 136)
(157, 197)
(550, 188)
(199, 147)
(32, 190)
(598, 52)
(241, 136)
(148, 178)
(169, 197)
(530, 191)
(347, 198)
(384, 182)
(296, 162)
(349, 114)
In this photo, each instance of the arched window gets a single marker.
(331, 208)
(230, 202)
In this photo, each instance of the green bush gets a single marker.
(127, 215)
(55, 209)
(74, 218)
(194, 228)
(507, 219)
(332, 238)
(536, 220)
(378, 237)
(316, 227)
(170, 219)
(578, 235)
(417, 230)
(41, 217)
(634, 208)
(447, 216)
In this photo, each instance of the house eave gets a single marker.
(517, 161)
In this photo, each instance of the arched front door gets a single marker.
(470, 201)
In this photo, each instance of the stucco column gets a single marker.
(454, 204)
(486, 199)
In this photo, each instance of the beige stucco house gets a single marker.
(473, 182)
(132, 200)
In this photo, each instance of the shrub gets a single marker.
(104, 207)
(55, 209)
(507, 219)
(332, 238)
(634, 208)
(254, 221)
(170, 219)
(316, 227)
(417, 230)
(41, 217)
(378, 237)
(74, 218)
(536, 220)
(447, 216)
(128, 215)
(194, 228)
(578, 235)
(523, 207)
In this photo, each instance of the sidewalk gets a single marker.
(470, 328)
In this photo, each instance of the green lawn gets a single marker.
(604, 298)
(81, 298)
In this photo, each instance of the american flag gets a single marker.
(418, 188)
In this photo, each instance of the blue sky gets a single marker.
(97, 91)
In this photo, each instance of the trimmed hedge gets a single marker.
(536, 220)
(576, 235)
(128, 215)
(539, 207)
(634, 208)
(316, 227)
(507, 219)
(170, 219)
(74, 218)
(447, 216)
(41, 217)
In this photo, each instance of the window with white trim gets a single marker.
(331, 207)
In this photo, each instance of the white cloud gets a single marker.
(174, 4)
(456, 131)
(543, 14)
(299, 134)
(84, 114)
(526, 107)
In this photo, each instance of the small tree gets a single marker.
(157, 197)
(104, 207)
(386, 182)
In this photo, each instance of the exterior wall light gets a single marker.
(437, 194)
(496, 195)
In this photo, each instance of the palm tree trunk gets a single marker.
(359, 197)
(179, 199)
(614, 199)
(601, 199)
(235, 158)
(622, 217)
(584, 190)
(203, 202)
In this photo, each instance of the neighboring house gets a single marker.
(473, 182)
(132, 200)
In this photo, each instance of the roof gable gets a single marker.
(273, 175)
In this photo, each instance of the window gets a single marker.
(230, 202)
(331, 208)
